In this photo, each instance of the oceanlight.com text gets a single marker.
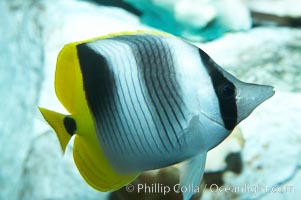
(248, 188)
(158, 188)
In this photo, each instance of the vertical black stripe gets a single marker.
(98, 80)
(148, 71)
(176, 100)
(158, 76)
(120, 113)
(162, 67)
(173, 82)
(224, 89)
(142, 81)
(136, 88)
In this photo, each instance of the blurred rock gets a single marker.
(195, 20)
(272, 151)
(217, 157)
(118, 3)
(262, 55)
(225, 157)
(232, 16)
(288, 8)
(275, 13)
(46, 174)
(20, 78)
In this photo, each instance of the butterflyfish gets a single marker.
(145, 100)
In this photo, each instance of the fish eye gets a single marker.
(227, 90)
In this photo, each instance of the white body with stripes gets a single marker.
(132, 135)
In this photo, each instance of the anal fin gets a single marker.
(94, 167)
(191, 173)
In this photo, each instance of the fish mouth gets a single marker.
(250, 97)
(270, 93)
(262, 93)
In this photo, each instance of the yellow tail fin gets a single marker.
(56, 121)
(94, 167)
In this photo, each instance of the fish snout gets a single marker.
(249, 96)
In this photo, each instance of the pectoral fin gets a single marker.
(191, 173)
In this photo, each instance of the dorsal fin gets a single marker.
(137, 32)
(67, 77)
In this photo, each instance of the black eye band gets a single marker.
(224, 90)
